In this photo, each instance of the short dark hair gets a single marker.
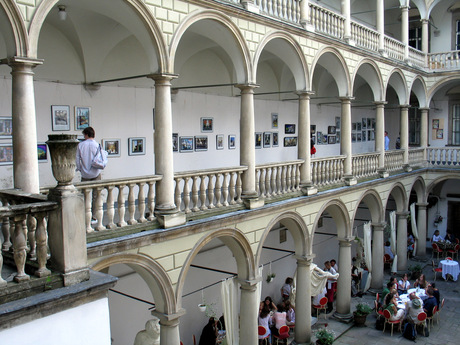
(89, 131)
(430, 291)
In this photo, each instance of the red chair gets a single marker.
(262, 331)
(435, 269)
(436, 250)
(454, 251)
(430, 318)
(449, 258)
(421, 321)
(387, 260)
(378, 312)
(387, 315)
(457, 241)
(439, 311)
(322, 306)
(283, 334)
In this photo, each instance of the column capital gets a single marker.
(249, 285)
(425, 109)
(249, 87)
(158, 77)
(424, 21)
(346, 99)
(403, 214)
(404, 106)
(346, 241)
(422, 205)
(169, 319)
(379, 226)
(305, 93)
(404, 7)
(18, 60)
(380, 103)
(304, 260)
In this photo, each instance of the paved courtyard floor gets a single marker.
(447, 332)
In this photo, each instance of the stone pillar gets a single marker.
(401, 239)
(380, 136)
(380, 19)
(405, 30)
(345, 141)
(305, 20)
(303, 301)
(66, 224)
(343, 300)
(421, 229)
(404, 127)
(304, 144)
(346, 12)
(424, 130)
(247, 147)
(377, 256)
(169, 327)
(25, 163)
(249, 309)
(165, 208)
(425, 34)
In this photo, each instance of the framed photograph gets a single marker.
(290, 141)
(331, 130)
(312, 130)
(358, 136)
(325, 139)
(289, 129)
(219, 142)
(439, 133)
(274, 120)
(201, 143)
(331, 139)
(363, 138)
(6, 127)
(319, 138)
(231, 141)
(337, 122)
(82, 117)
(364, 123)
(267, 139)
(370, 135)
(369, 123)
(275, 139)
(175, 142)
(186, 144)
(60, 117)
(353, 126)
(435, 123)
(6, 154)
(136, 146)
(313, 138)
(207, 124)
(372, 124)
(258, 140)
(112, 146)
(337, 139)
(358, 126)
(42, 152)
(353, 137)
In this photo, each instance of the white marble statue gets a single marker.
(151, 334)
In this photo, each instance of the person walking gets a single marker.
(387, 141)
(86, 151)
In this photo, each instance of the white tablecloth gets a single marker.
(449, 267)
(421, 294)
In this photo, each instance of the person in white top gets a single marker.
(334, 265)
(388, 250)
(437, 237)
(86, 151)
(403, 285)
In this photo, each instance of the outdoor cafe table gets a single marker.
(449, 267)
(420, 293)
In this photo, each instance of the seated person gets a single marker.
(410, 244)
(437, 237)
(436, 293)
(430, 302)
(450, 236)
(264, 319)
(414, 307)
(279, 318)
(396, 314)
(286, 288)
(388, 250)
(269, 303)
(290, 313)
(421, 282)
(355, 278)
(385, 292)
(403, 285)
(209, 333)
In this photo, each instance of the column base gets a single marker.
(350, 41)
(345, 318)
(307, 26)
(383, 53)
(75, 277)
(253, 203)
(251, 7)
(350, 180)
(407, 168)
(383, 173)
(308, 189)
(169, 220)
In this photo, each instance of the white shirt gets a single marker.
(389, 252)
(86, 151)
(387, 143)
(403, 285)
(437, 238)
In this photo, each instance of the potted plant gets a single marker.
(415, 270)
(361, 312)
(270, 277)
(324, 336)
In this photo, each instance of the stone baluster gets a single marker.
(288, 178)
(141, 202)
(88, 213)
(31, 227)
(233, 178)
(42, 247)
(177, 192)
(121, 206)
(203, 193)
(260, 187)
(131, 204)
(110, 208)
(151, 200)
(218, 190)
(99, 208)
(239, 187)
(211, 191)
(195, 194)
(6, 234)
(268, 182)
(20, 246)
(186, 196)
(225, 190)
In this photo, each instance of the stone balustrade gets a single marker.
(365, 164)
(278, 178)
(417, 156)
(443, 156)
(417, 57)
(287, 10)
(326, 21)
(327, 171)
(394, 48)
(364, 37)
(394, 160)
(444, 60)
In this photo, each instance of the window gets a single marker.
(415, 37)
(456, 124)
(414, 126)
(457, 37)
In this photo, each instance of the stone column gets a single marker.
(169, 327)
(345, 141)
(380, 19)
(249, 308)
(405, 30)
(401, 239)
(165, 208)
(377, 256)
(247, 147)
(304, 144)
(425, 34)
(404, 127)
(424, 130)
(421, 229)
(305, 20)
(346, 12)
(380, 136)
(25, 163)
(343, 300)
(303, 301)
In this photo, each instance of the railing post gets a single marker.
(380, 137)
(19, 247)
(405, 136)
(345, 142)
(424, 130)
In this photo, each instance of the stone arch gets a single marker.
(290, 52)
(372, 75)
(296, 227)
(335, 63)
(374, 203)
(435, 182)
(339, 213)
(139, 9)
(453, 80)
(240, 56)
(151, 272)
(13, 29)
(397, 80)
(420, 189)
(238, 244)
(399, 194)
(418, 87)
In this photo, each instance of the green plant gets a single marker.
(363, 309)
(415, 268)
(270, 277)
(325, 336)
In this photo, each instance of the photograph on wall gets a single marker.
(371, 135)
(373, 124)
(258, 139)
(364, 123)
(290, 141)
(369, 123)
(60, 117)
(136, 146)
(231, 141)
(6, 154)
(337, 139)
(312, 130)
(267, 139)
(358, 137)
(363, 138)
(439, 133)
(324, 141)
(358, 126)
(112, 146)
(331, 139)
(275, 139)
(207, 124)
(82, 117)
(353, 137)
(435, 123)
(42, 152)
(186, 144)
(319, 138)
(274, 120)
(219, 142)
(313, 139)
(337, 122)
(331, 130)
(289, 129)
(353, 126)
(201, 143)
(175, 142)
(6, 127)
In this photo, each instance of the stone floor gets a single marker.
(443, 334)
